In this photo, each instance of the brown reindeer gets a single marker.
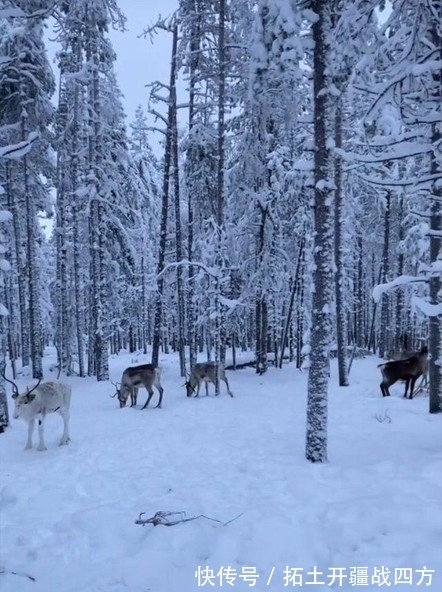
(404, 355)
(133, 378)
(408, 369)
(205, 372)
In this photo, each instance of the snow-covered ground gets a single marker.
(68, 514)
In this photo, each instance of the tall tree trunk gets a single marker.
(62, 329)
(31, 248)
(97, 223)
(295, 289)
(191, 316)
(261, 362)
(360, 337)
(76, 213)
(158, 318)
(178, 232)
(401, 325)
(384, 339)
(321, 330)
(4, 415)
(220, 349)
(16, 207)
(341, 324)
(435, 322)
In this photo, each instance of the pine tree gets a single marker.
(316, 445)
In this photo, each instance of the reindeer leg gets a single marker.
(30, 432)
(65, 437)
(150, 391)
(160, 390)
(133, 396)
(407, 384)
(207, 387)
(413, 382)
(41, 429)
(228, 388)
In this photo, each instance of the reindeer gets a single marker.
(205, 371)
(408, 370)
(404, 355)
(44, 398)
(147, 375)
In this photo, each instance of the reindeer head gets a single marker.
(190, 390)
(23, 402)
(121, 393)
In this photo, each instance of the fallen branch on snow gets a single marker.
(162, 518)
(16, 573)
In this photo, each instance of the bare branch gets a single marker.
(17, 573)
(162, 518)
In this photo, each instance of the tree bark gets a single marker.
(158, 318)
(317, 398)
(341, 320)
(384, 338)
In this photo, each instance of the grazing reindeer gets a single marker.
(404, 355)
(133, 378)
(408, 370)
(48, 397)
(205, 371)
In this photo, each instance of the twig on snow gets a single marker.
(16, 573)
(163, 519)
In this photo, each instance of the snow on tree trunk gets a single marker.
(317, 405)
(63, 331)
(194, 47)
(4, 266)
(34, 292)
(16, 206)
(74, 88)
(220, 338)
(435, 322)
(97, 229)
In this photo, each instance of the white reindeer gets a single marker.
(48, 397)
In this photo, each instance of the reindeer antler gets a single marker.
(115, 384)
(14, 386)
(34, 387)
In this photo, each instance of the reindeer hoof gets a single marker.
(28, 447)
(64, 441)
(41, 448)
(158, 406)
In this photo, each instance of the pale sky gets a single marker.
(138, 60)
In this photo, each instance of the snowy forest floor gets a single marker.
(67, 515)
